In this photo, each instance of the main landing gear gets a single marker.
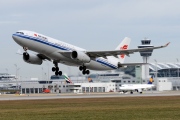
(57, 72)
(56, 69)
(83, 69)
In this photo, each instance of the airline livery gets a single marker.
(48, 48)
(137, 87)
(68, 80)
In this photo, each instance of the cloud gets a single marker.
(109, 12)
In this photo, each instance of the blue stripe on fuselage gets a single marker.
(43, 41)
(106, 63)
(62, 48)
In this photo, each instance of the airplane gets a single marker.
(51, 49)
(137, 87)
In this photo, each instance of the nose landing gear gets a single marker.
(25, 48)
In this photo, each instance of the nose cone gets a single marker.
(16, 38)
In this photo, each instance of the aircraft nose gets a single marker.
(15, 38)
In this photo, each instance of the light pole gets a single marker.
(16, 70)
(16, 76)
(18, 73)
(45, 77)
(48, 72)
(156, 75)
(178, 67)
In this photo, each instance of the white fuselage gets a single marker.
(128, 87)
(53, 49)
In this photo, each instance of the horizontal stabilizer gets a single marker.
(130, 64)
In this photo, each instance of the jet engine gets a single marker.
(121, 66)
(139, 90)
(80, 56)
(32, 59)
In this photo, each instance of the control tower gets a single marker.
(145, 55)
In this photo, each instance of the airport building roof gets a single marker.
(160, 66)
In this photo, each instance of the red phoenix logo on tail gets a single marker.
(123, 48)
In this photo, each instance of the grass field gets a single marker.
(126, 108)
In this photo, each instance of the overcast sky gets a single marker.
(90, 24)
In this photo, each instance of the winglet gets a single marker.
(167, 44)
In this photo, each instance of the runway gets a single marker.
(84, 95)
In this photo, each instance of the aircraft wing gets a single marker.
(94, 54)
(120, 52)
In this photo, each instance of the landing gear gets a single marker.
(83, 69)
(25, 49)
(56, 69)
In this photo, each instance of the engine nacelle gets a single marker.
(32, 59)
(80, 56)
(124, 66)
(121, 66)
(139, 90)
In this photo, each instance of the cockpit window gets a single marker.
(20, 33)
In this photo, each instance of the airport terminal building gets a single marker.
(58, 87)
(166, 78)
(163, 69)
(166, 71)
(165, 75)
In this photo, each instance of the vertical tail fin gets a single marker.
(90, 79)
(151, 80)
(67, 78)
(123, 46)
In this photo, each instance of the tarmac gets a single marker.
(83, 95)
